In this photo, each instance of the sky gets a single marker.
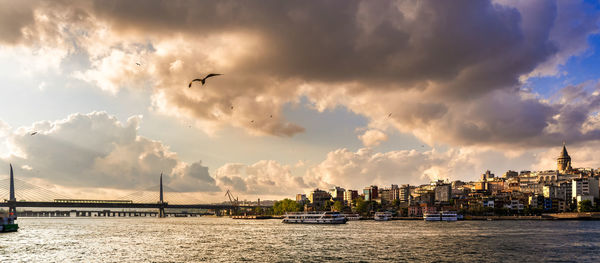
(313, 94)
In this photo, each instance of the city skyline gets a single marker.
(373, 93)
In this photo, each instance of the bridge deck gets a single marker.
(121, 205)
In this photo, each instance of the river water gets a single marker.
(227, 240)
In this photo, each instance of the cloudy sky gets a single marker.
(314, 93)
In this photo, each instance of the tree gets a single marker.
(338, 206)
(285, 205)
(258, 210)
(361, 206)
(585, 206)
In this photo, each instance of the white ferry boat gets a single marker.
(383, 216)
(352, 217)
(315, 218)
(441, 216)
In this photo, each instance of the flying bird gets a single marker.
(33, 133)
(203, 79)
(138, 63)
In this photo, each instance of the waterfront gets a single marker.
(224, 239)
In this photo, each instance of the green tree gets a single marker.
(361, 206)
(285, 205)
(338, 206)
(258, 210)
(585, 206)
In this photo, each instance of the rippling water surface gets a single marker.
(224, 239)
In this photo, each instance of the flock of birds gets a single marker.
(203, 81)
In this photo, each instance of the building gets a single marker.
(395, 192)
(318, 198)
(337, 194)
(371, 193)
(487, 176)
(585, 187)
(510, 174)
(301, 198)
(350, 195)
(563, 162)
(443, 193)
(404, 193)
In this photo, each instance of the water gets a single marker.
(224, 240)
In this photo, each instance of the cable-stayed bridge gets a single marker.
(22, 194)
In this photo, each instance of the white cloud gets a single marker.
(263, 178)
(372, 137)
(97, 150)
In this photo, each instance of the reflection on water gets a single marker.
(224, 239)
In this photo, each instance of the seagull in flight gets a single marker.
(204, 79)
(33, 133)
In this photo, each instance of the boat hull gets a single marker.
(315, 222)
(9, 228)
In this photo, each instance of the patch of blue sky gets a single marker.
(577, 70)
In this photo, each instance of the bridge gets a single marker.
(160, 205)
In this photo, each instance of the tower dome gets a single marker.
(563, 162)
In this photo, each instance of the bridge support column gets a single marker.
(12, 207)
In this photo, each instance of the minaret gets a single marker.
(563, 162)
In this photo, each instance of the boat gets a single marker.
(314, 218)
(7, 223)
(383, 216)
(352, 217)
(432, 216)
(447, 216)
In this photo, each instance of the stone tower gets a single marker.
(563, 162)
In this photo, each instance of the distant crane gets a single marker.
(234, 202)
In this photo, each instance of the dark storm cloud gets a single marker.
(449, 70)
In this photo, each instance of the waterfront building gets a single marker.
(385, 195)
(318, 198)
(395, 192)
(337, 194)
(585, 187)
(443, 193)
(536, 201)
(404, 193)
(350, 195)
(515, 204)
(371, 193)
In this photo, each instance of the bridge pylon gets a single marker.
(12, 208)
(161, 209)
